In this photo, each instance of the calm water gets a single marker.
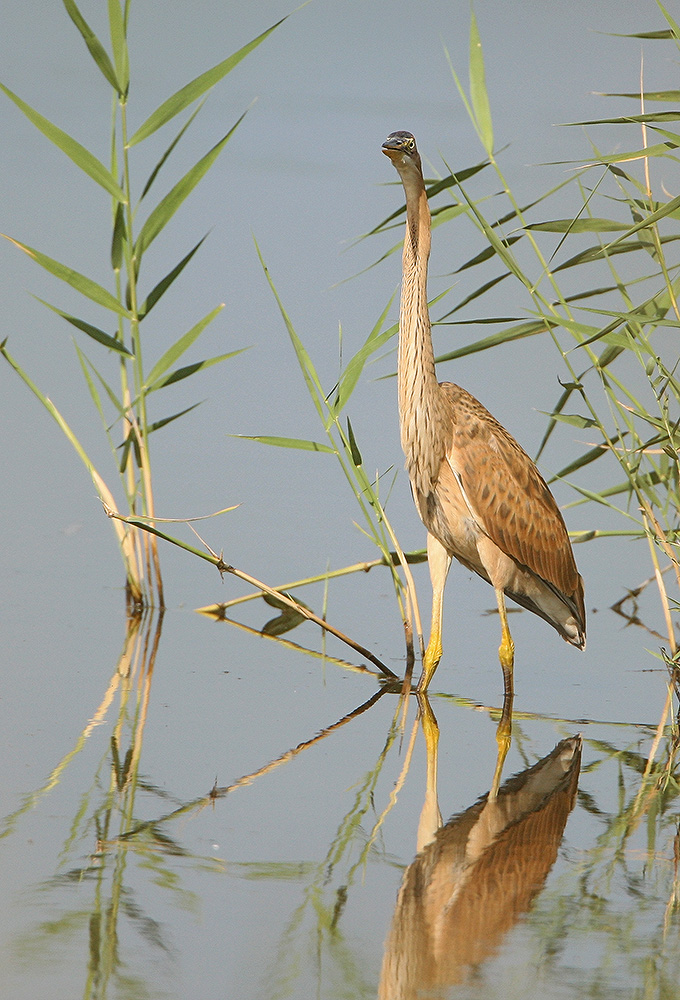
(190, 808)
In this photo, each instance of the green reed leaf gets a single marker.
(286, 442)
(601, 498)
(82, 157)
(552, 423)
(92, 331)
(129, 443)
(180, 346)
(575, 419)
(590, 225)
(99, 483)
(119, 45)
(198, 366)
(649, 95)
(471, 297)
(156, 170)
(432, 189)
(113, 398)
(189, 93)
(651, 116)
(672, 23)
(118, 237)
(646, 237)
(479, 96)
(158, 424)
(609, 355)
(86, 286)
(375, 340)
(165, 210)
(97, 50)
(159, 290)
(668, 209)
(310, 376)
(518, 332)
(85, 365)
(353, 446)
(597, 253)
(487, 253)
(658, 36)
(663, 149)
(587, 458)
(590, 293)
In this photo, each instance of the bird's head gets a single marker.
(402, 151)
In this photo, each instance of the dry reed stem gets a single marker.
(223, 567)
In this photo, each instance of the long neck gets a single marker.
(425, 423)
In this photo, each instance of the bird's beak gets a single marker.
(392, 149)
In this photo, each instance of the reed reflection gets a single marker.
(475, 876)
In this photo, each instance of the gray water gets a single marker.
(182, 814)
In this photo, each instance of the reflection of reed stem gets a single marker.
(288, 643)
(306, 613)
(657, 736)
(247, 779)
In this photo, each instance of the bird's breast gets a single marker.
(446, 515)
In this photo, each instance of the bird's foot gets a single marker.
(433, 655)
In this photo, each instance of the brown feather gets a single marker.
(478, 493)
(510, 498)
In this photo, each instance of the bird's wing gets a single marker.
(507, 495)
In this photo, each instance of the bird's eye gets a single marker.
(410, 143)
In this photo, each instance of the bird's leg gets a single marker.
(439, 562)
(506, 650)
(506, 654)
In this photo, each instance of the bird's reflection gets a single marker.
(475, 876)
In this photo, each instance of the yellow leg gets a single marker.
(506, 654)
(503, 739)
(430, 816)
(439, 561)
(506, 650)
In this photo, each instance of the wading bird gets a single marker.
(478, 493)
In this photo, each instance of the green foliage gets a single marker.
(343, 444)
(127, 304)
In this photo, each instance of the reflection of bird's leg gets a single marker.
(506, 654)
(430, 817)
(503, 739)
(439, 562)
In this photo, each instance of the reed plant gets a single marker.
(120, 380)
(330, 406)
